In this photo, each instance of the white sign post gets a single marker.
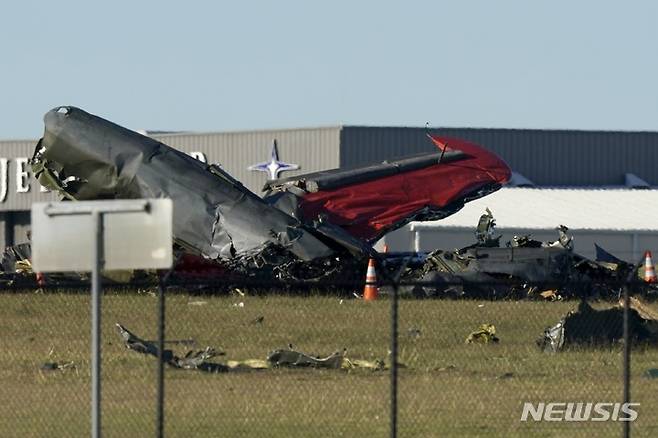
(97, 235)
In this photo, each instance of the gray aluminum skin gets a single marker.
(87, 157)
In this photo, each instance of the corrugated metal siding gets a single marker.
(548, 158)
(4, 242)
(359, 145)
(312, 149)
(21, 223)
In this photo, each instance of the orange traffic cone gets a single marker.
(41, 279)
(649, 270)
(370, 291)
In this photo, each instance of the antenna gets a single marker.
(427, 132)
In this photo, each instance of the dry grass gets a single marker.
(447, 388)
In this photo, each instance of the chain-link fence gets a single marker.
(244, 359)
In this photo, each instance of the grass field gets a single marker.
(447, 388)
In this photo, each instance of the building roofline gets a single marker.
(339, 127)
(437, 225)
(242, 131)
(18, 140)
(471, 128)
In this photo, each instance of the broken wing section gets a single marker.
(370, 201)
(86, 157)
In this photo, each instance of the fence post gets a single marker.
(627, 359)
(96, 292)
(160, 379)
(394, 361)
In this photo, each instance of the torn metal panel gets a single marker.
(193, 360)
(553, 338)
(13, 255)
(484, 233)
(292, 358)
(530, 264)
(87, 157)
(200, 360)
(484, 269)
(589, 326)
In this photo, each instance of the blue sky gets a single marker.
(216, 66)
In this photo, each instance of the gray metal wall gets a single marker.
(548, 158)
(363, 145)
(14, 226)
(312, 149)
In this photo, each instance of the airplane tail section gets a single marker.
(370, 201)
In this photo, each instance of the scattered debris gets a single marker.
(642, 309)
(249, 364)
(258, 320)
(414, 332)
(485, 334)
(338, 360)
(52, 366)
(292, 358)
(588, 326)
(487, 270)
(550, 295)
(446, 368)
(553, 338)
(191, 360)
(238, 291)
(135, 343)
(376, 365)
(200, 360)
(651, 373)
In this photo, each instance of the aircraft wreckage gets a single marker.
(304, 227)
(524, 267)
(310, 227)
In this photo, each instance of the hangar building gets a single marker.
(539, 158)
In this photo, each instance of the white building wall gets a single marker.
(627, 245)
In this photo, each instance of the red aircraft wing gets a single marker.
(369, 209)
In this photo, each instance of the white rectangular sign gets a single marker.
(137, 234)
